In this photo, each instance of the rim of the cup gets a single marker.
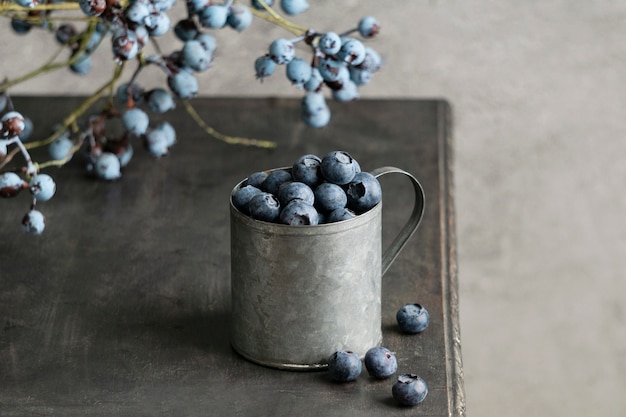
(331, 227)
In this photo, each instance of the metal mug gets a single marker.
(300, 293)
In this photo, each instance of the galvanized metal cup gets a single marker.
(300, 293)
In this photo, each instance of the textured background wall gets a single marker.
(538, 90)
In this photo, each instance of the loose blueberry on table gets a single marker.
(413, 318)
(409, 389)
(344, 366)
(380, 362)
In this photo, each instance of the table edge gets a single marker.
(454, 364)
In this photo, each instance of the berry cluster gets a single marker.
(131, 29)
(340, 62)
(314, 191)
(13, 129)
(381, 363)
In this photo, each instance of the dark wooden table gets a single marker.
(121, 307)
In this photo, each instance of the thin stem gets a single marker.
(31, 168)
(63, 161)
(39, 19)
(298, 39)
(8, 6)
(158, 60)
(9, 157)
(272, 17)
(48, 66)
(155, 45)
(78, 111)
(349, 32)
(225, 138)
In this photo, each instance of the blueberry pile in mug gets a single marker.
(314, 191)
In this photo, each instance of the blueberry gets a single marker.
(274, 180)
(349, 91)
(352, 51)
(43, 187)
(413, 318)
(264, 206)
(126, 91)
(168, 132)
(330, 43)
(293, 190)
(294, 7)
(329, 197)
(338, 167)
(81, 64)
(380, 362)
(256, 179)
(299, 213)
(34, 222)
(409, 389)
(316, 118)
(340, 215)
(61, 148)
(156, 142)
(28, 129)
(307, 170)
(108, 166)
(344, 366)
(160, 101)
(363, 192)
(186, 29)
(242, 197)
(207, 40)
(195, 57)
(10, 184)
(298, 71)
(214, 16)
(315, 111)
(282, 51)
(20, 26)
(315, 82)
(239, 17)
(12, 124)
(331, 69)
(258, 5)
(369, 27)
(183, 84)
(125, 154)
(264, 67)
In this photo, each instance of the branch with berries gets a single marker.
(323, 65)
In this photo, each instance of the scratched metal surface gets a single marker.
(122, 306)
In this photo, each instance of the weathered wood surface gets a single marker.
(122, 306)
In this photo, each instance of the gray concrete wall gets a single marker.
(538, 90)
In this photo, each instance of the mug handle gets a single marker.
(411, 225)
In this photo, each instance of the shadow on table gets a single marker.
(172, 335)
